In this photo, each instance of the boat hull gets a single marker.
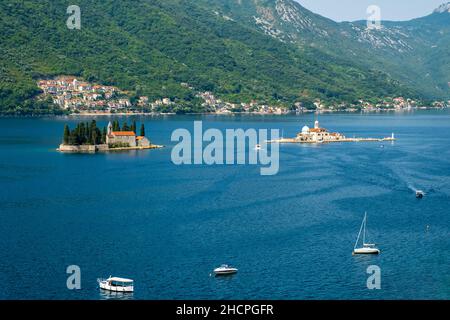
(225, 272)
(366, 251)
(108, 287)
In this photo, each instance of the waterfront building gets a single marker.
(125, 138)
(318, 134)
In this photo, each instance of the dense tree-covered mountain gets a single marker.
(273, 51)
(414, 52)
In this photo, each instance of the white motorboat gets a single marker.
(116, 284)
(367, 248)
(225, 270)
(258, 147)
(419, 194)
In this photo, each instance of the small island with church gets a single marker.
(87, 137)
(321, 135)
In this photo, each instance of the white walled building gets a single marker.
(318, 134)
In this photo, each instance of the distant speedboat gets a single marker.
(367, 248)
(115, 284)
(225, 270)
(258, 147)
(419, 194)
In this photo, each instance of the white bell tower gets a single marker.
(316, 124)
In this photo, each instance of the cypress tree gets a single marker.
(94, 134)
(142, 130)
(82, 130)
(66, 137)
(125, 127)
(76, 135)
(98, 133)
(72, 138)
(94, 137)
(133, 127)
(104, 133)
(87, 135)
(115, 126)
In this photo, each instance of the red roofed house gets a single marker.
(125, 138)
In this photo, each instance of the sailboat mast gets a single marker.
(359, 234)
(365, 222)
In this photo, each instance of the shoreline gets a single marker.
(105, 114)
(253, 113)
(92, 149)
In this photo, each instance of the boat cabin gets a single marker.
(117, 284)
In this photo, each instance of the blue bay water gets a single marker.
(137, 215)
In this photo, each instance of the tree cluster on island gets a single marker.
(88, 133)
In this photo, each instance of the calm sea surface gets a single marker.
(137, 215)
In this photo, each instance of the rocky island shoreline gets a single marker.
(101, 148)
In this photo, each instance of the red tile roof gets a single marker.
(124, 133)
(318, 130)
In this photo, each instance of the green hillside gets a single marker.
(413, 52)
(150, 47)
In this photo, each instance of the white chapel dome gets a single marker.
(305, 129)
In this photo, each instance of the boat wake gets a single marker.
(412, 188)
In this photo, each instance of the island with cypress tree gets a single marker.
(87, 137)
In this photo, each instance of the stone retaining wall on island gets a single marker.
(84, 148)
(100, 148)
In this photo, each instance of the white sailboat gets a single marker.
(367, 248)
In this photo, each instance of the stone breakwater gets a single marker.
(100, 148)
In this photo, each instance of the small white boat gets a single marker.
(115, 284)
(225, 270)
(419, 194)
(258, 147)
(367, 248)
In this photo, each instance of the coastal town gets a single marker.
(77, 96)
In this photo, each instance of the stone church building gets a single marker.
(126, 138)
